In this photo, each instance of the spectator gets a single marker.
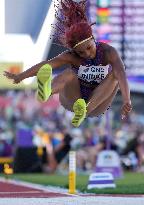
(55, 154)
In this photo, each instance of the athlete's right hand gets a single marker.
(15, 77)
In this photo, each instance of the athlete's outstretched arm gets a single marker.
(120, 75)
(60, 60)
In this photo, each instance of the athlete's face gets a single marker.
(87, 49)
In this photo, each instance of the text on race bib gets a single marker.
(93, 73)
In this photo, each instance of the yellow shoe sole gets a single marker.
(79, 109)
(44, 78)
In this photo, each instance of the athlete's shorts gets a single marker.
(87, 89)
(86, 92)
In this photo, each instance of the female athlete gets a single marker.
(95, 70)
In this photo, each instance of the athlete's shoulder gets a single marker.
(110, 52)
(113, 54)
(109, 48)
(106, 47)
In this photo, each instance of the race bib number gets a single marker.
(93, 73)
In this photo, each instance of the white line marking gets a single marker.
(72, 201)
(36, 186)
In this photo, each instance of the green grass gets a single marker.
(132, 183)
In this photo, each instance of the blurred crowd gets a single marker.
(49, 126)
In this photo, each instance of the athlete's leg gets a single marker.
(104, 93)
(101, 98)
(99, 101)
(70, 98)
(47, 86)
(103, 106)
(68, 87)
(70, 90)
(66, 82)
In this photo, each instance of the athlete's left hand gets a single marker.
(126, 109)
(14, 77)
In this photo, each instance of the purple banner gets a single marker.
(101, 182)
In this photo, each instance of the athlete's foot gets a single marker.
(79, 109)
(44, 78)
